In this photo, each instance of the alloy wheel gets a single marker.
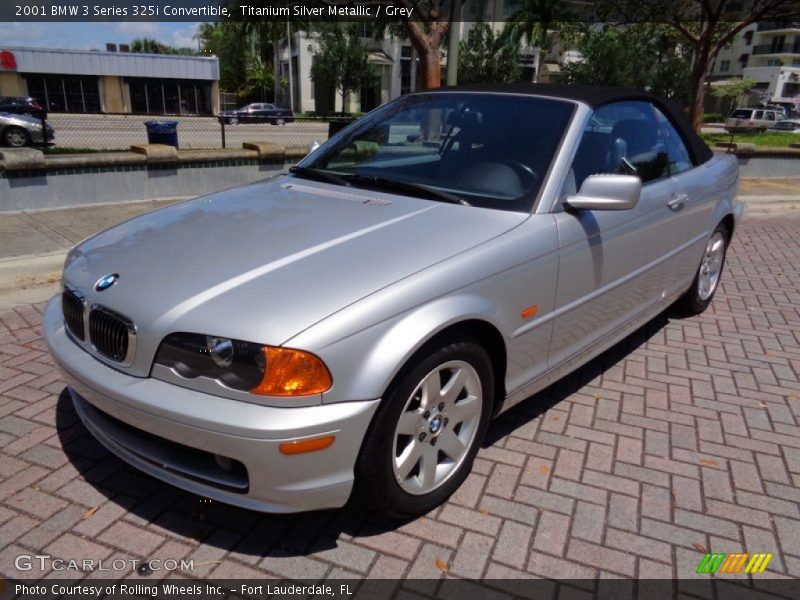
(711, 266)
(437, 427)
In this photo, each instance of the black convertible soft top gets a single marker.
(596, 96)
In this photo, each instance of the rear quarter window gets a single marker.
(741, 114)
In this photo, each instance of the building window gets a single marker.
(774, 62)
(65, 93)
(724, 66)
(169, 97)
(743, 60)
(748, 37)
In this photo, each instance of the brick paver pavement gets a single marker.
(682, 438)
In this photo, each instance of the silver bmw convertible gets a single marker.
(349, 328)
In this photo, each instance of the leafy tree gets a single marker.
(486, 57)
(733, 91)
(706, 26)
(532, 20)
(640, 55)
(226, 42)
(151, 46)
(342, 60)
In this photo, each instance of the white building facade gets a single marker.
(769, 54)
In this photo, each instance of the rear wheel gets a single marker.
(706, 280)
(16, 137)
(423, 440)
(279, 121)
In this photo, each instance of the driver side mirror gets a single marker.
(607, 192)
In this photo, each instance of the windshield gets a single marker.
(489, 150)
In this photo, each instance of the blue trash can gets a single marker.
(162, 132)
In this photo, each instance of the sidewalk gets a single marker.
(34, 243)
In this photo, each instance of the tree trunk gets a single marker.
(431, 68)
(703, 57)
(427, 43)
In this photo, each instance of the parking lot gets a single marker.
(681, 440)
(119, 132)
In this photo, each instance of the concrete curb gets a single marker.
(30, 279)
(25, 271)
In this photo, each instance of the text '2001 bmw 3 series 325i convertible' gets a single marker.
(350, 328)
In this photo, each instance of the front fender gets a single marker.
(364, 364)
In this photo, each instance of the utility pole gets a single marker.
(452, 43)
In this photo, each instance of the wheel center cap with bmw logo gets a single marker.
(106, 281)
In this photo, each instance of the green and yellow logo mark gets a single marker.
(719, 562)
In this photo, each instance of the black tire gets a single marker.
(15, 137)
(692, 302)
(375, 484)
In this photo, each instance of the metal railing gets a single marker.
(777, 25)
(92, 132)
(793, 48)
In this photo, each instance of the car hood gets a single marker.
(266, 261)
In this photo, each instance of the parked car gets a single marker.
(751, 119)
(258, 112)
(792, 125)
(23, 130)
(371, 311)
(22, 106)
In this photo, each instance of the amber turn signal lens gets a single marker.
(292, 373)
(302, 446)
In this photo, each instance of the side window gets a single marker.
(770, 116)
(759, 115)
(622, 137)
(679, 157)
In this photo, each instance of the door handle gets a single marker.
(677, 202)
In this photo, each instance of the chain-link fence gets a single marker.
(119, 132)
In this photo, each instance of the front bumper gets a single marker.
(175, 434)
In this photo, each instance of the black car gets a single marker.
(22, 106)
(258, 112)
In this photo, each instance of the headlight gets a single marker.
(267, 370)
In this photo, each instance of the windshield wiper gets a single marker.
(394, 184)
(319, 175)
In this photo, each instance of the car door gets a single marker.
(612, 263)
(692, 204)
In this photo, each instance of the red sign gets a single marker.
(7, 60)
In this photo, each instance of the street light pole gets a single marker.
(289, 46)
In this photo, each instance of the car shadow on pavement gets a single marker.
(161, 508)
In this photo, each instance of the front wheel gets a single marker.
(706, 280)
(425, 436)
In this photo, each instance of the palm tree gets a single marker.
(147, 45)
(259, 76)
